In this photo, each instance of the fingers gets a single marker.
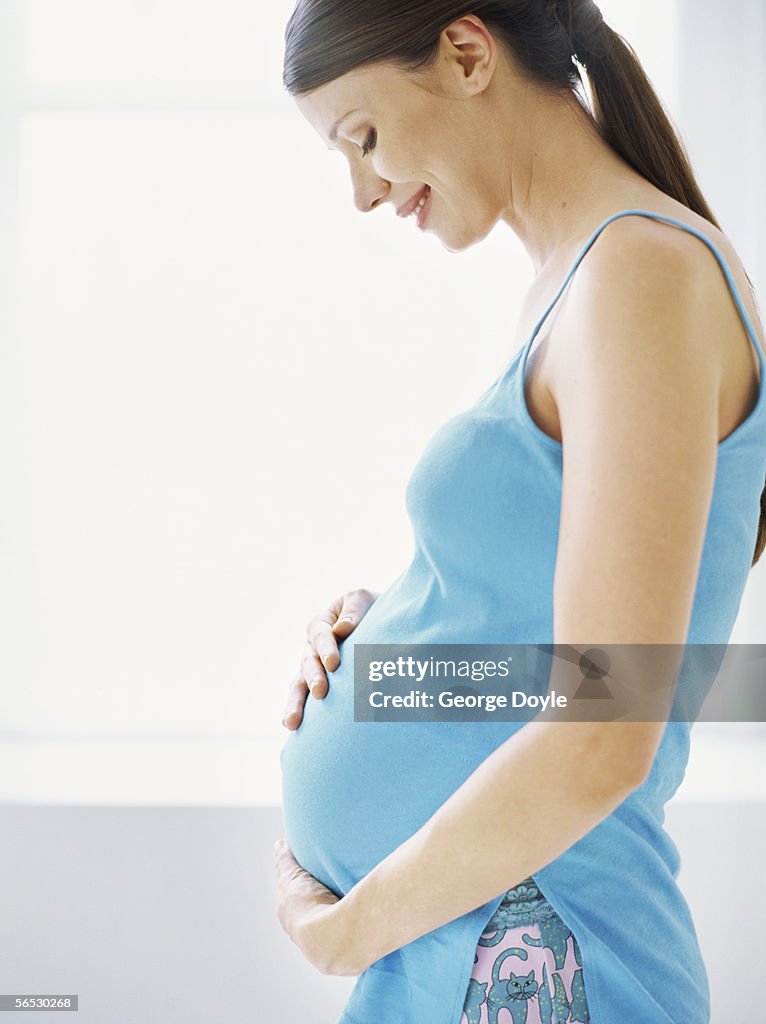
(344, 616)
(321, 653)
(338, 620)
(313, 672)
(296, 698)
(356, 604)
(321, 640)
(309, 678)
(284, 858)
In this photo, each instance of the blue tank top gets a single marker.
(484, 503)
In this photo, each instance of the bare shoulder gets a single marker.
(654, 299)
(652, 255)
(655, 256)
(640, 280)
(646, 284)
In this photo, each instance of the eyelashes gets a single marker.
(369, 142)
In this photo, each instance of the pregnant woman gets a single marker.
(606, 488)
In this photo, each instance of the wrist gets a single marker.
(331, 939)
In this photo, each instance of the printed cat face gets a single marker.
(520, 987)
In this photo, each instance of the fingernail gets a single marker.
(346, 618)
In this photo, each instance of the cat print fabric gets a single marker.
(527, 963)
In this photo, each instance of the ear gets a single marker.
(468, 52)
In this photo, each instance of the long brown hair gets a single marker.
(326, 38)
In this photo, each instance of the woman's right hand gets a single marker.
(321, 650)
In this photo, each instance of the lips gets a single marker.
(406, 209)
(423, 211)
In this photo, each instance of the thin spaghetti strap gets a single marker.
(520, 357)
(685, 227)
(527, 344)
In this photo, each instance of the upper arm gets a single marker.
(638, 408)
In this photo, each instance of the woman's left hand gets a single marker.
(306, 912)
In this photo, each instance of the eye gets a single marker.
(369, 142)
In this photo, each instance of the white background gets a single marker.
(217, 376)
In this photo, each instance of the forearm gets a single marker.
(538, 793)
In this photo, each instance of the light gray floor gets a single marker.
(168, 914)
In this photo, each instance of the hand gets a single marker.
(321, 650)
(305, 911)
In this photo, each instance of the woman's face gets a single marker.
(409, 135)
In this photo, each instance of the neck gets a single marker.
(567, 181)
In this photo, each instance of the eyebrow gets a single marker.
(334, 129)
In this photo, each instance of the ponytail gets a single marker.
(632, 120)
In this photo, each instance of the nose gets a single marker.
(369, 189)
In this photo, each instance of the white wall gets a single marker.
(722, 114)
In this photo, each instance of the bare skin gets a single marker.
(643, 368)
(321, 653)
(492, 146)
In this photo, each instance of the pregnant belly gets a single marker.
(354, 791)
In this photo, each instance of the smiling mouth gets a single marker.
(414, 203)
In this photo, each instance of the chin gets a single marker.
(466, 233)
(465, 240)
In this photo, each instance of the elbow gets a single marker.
(610, 790)
(623, 755)
(638, 775)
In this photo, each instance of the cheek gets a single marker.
(421, 157)
(404, 160)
